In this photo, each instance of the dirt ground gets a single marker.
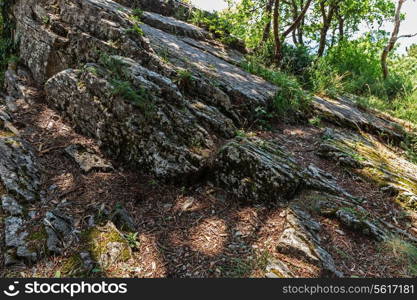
(198, 230)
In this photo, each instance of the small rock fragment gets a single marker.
(87, 159)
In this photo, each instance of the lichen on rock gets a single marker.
(107, 245)
(256, 170)
(374, 161)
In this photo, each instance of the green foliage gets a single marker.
(243, 268)
(354, 67)
(137, 13)
(290, 97)
(404, 252)
(184, 80)
(296, 60)
(316, 121)
(402, 83)
(215, 23)
(136, 17)
(132, 239)
(135, 30)
(123, 87)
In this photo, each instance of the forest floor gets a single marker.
(198, 230)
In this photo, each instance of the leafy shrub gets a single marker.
(216, 24)
(296, 60)
(290, 96)
(354, 67)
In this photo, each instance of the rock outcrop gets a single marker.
(373, 161)
(300, 239)
(162, 97)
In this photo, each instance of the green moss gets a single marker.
(98, 238)
(38, 235)
(36, 240)
(382, 166)
(72, 266)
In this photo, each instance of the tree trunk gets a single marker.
(392, 40)
(327, 21)
(341, 27)
(267, 29)
(280, 38)
(277, 35)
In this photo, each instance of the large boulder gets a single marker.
(260, 170)
(142, 119)
(344, 112)
(254, 169)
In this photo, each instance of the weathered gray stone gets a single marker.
(348, 212)
(164, 138)
(278, 269)
(16, 237)
(174, 26)
(60, 230)
(361, 224)
(11, 206)
(256, 170)
(344, 112)
(88, 263)
(245, 90)
(300, 239)
(317, 179)
(87, 159)
(122, 219)
(18, 170)
(373, 161)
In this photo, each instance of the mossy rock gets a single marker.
(107, 245)
(375, 162)
(36, 240)
(73, 267)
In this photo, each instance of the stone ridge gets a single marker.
(163, 98)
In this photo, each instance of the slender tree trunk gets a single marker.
(294, 7)
(327, 17)
(277, 35)
(267, 29)
(341, 21)
(300, 32)
(392, 40)
(280, 37)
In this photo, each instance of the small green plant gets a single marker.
(164, 54)
(135, 18)
(290, 96)
(404, 252)
(244, 134)
(241, 268)
(263, 118)
(135, 30)
(46, 20)
(123, 87)
(316, 121)
(113, 64)
(184, 80)
(138, 97)
(132, 239)
(137, 13)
